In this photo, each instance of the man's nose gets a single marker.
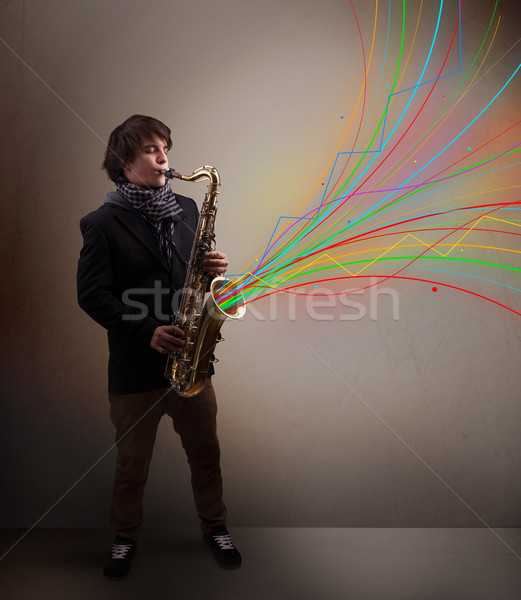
(162, 157)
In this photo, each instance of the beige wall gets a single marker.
(370, 422)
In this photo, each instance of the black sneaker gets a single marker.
(223, 549)
(120, 559)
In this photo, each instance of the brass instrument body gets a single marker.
(200, 318)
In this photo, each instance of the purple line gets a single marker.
(373, 192)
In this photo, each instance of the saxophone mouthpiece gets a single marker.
(168, 173)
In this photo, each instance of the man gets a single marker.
(131, 268)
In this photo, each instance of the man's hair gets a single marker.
(126, 140)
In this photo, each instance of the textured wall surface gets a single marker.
(404, 411)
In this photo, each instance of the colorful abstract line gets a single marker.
(437, 201)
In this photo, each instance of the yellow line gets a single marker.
(445, 202)
(410, 51)
(261, 279)
(397, 244)
(422, 243)
(411, 212)
(395, 170)
(343, 137)
(410, 157)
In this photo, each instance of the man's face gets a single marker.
(144, 169)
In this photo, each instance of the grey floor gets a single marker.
(325, 564)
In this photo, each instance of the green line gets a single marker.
(424, 135)
(316, 221)
(381, 259)
(451, 98)
(417, 191)
(311, 226)
(347, 264)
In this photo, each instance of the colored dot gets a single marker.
(342, 116)
(349, 221)
(443, 96)
(323, 184)
(434, 289)
(316, 285)
(415, 161)
(462, 249)
(386, 85)
(470, 148)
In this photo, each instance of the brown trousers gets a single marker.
(136, 418)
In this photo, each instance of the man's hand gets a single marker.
(215, 263)
(167, 338)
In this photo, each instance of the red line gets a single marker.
(360, 236)
(410, 125)
(384, 277)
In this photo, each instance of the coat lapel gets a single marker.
(143, 232)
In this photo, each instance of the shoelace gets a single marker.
(120, 550)
(224, 541)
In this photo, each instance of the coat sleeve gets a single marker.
(95, 286)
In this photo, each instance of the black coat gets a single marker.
(125, 284)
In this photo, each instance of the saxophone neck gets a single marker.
(204, 172)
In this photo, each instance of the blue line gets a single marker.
(443, 150)
(324, 215)
(399, 121)
(405, 110)
(377, 87)
(436, 190)
(420, 84)
(385, 118)
(390, 135)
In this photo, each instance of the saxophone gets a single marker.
(200, 319)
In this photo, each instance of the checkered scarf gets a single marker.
(158, 206)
